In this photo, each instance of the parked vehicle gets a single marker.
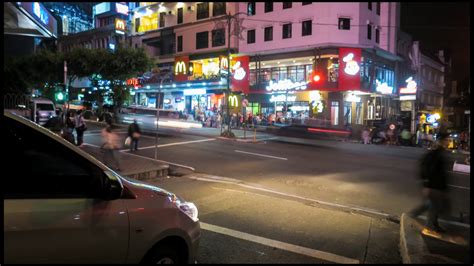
(38, 110)
(64, 206)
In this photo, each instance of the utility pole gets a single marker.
(226, 100)
(158, 96)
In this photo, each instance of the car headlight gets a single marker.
(187, 207)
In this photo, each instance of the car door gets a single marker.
(53, 212)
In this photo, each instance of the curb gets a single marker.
(413, 248)
(158, 172)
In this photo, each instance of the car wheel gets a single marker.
(164, 255)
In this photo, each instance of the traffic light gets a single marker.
(59, 96)
(316, 80)
(316, 77)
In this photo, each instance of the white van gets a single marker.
(61, 205)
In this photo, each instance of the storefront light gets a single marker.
(188, 84)
(174, 85)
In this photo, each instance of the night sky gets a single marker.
(441, 25)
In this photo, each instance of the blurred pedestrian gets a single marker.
(366, 135)
(111, 144)
(134, 133)
(68, 133)
(80, 127)
(406, 137)
(434, 175)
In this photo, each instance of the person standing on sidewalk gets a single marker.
(134, 133)
(111, 146)
(80, 127)
(434, 175)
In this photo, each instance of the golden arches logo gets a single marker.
(180, 67)
(233, 101)
(224, 63)
(120, 24)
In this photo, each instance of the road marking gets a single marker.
(467, 188)
(263, 155)
(280, 245)
(172, 144)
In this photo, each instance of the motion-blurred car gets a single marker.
(61, 205)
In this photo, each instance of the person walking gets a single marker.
(134, 133)
(80, 127)
(69, 132)
(111, 146)
(434, 175)
(366, 135)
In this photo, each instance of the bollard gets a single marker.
(254, 134)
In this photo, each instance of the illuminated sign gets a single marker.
(180, 67)
(282, 98)
(233, 101)
(383, 87)
(211, 68)
(286, 84)
(101, 8)
(352, 67)
(39, 11)
(352, 98)
(194, 92)
(167, 101)
(121, 8)
(120, 26)
(134, 82)
(239, 72)
(432, 118)
(410, 88)
(407, 97)
(224, 63)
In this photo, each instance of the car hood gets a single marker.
(137, 186)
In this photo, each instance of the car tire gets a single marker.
(164, 254)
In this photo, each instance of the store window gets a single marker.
(307, 27)
(292, 73)
(334, 113)
(218, 37)
(359, 117)
(300, 74)
(287, 31)
(333, 70)
(251, 36)
(251, 8)
(347, 113)
(218, 8)
(202, 40)
(203, 10)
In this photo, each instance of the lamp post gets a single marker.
(157, 117)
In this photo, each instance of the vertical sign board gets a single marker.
(180, 68)
(349, 69)
(240, 74)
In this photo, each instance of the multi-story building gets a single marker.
(188, 40)
(350, 46)
(72, 17)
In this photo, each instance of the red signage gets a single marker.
(240, 74)
(180, 70)
(349, 69)
(134, 82)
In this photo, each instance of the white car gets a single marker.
(61, 205)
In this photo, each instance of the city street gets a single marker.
(315, 197)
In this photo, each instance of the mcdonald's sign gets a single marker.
(224, 64)
(120, 26)
(181, 68)
(233, 101)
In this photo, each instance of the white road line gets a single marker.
(172, 144)
(263, 155)
(280, 245)
(467, 188)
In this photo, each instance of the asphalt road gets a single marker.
(276, 202)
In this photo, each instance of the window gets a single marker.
(162, 19)
(218, 8)
(377, 35)
(287, 5)
(307, 27)
(306, 3)
(268, 34)
(251, 36)
(218, 37)
(268, 7)
(180, 15)
(347, 113)
(369, 31)
(180, 44)
(344, 23)
(203, 10)
(370, 5)
(202, 40)
(251, 8)
(52, 170)
(334, 113)
(378, 8)
(287, 31)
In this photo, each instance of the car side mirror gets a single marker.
(112, 188)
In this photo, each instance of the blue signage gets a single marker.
(41, 13)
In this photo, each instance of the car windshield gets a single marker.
(45, 107)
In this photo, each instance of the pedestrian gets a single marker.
(406, 137)
(111, 146)
(134, 133)
(390, 135)
(366, 135)
(68, 133)
(434, 175)
(80, 127)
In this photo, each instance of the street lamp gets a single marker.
(157, 117)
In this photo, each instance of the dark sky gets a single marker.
(441, 25)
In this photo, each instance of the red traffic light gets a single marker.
(316, 78)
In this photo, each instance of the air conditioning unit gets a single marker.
(190, 8)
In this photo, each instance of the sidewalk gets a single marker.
(421, 249)
(131, 165)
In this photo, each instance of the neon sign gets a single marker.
(194, 92)
(286, 84)
(351, 65)
(239, 72)
(120, 26)
(282, 98)
(383, 87)
(410, 88)
(233, 101)
(121, 8)
(180, 67)
(40, 13)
